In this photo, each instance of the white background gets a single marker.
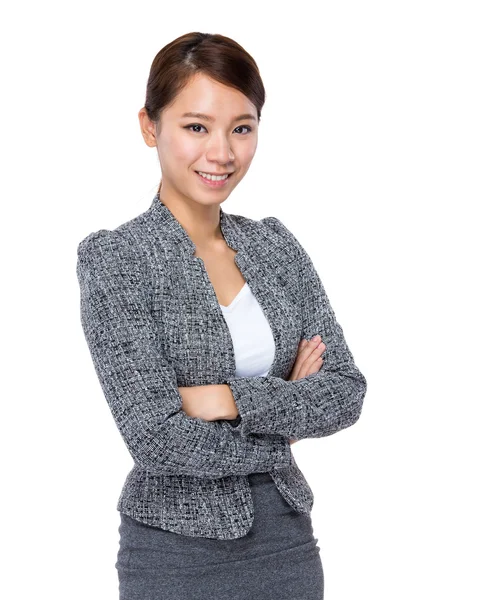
(367, 152)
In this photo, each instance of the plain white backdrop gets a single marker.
(367, 152)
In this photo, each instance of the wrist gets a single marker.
(228, 408)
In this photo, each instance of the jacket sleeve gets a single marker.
(138, 381)
(321, 403)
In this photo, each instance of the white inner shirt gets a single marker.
(252, 337)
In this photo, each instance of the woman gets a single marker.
(205, 330)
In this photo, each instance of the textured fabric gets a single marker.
(324, 402)
(152, 322)
(278, 559)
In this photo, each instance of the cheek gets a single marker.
(179, 149)
(187, 152)
(246, 150)
(245, 154)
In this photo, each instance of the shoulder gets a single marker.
(265, 230)
(110, 251)
(269, 235)
(280, 235)
(127, 239)
(274, 225)
(107, 243)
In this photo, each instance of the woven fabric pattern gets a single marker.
(324, 402)
(152, 322)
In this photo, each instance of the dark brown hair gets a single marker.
(215, 55)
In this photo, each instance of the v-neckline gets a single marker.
(230, 306)
(271, 298)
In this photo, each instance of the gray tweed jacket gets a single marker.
(152, 322)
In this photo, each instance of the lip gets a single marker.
(214, 184)
(218, 174)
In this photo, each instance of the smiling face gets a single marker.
(221, 138)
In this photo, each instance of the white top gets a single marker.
(252, 338)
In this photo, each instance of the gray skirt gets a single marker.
(278, 558)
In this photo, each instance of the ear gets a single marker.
(148, 128)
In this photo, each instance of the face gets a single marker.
(223, 139)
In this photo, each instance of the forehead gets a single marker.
(205, 95)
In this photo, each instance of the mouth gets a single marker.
(213, 180)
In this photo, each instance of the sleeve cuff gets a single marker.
(243, 397)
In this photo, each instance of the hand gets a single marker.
(308, 360)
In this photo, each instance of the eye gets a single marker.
(198, 125)
(244, 126)
(194, 125)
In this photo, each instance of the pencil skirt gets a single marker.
(278, 559)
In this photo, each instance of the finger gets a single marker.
(314, 355)
(306, 355)
(316, 366)
(309, 348)
(320, 348)
(304, 359)
(301, 372)
(293, 375)
(314, 340)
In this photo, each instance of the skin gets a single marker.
(217, 145)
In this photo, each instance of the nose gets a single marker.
(219, 150)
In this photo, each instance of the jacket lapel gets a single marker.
(190, 282)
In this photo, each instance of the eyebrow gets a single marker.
(198, 115)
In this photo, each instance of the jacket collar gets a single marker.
(238, 232)
(172, 230)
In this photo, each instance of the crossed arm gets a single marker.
(215, 402)
(210, 402)
(324, 401)
(141, 389)
(138, 381)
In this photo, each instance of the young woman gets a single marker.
(217, 348)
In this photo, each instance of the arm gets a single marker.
(321, 403)
(139, 383)
(210, 402)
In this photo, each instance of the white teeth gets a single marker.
(213, 177)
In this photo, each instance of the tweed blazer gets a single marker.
(152, 323)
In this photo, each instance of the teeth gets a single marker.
(213, 177)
